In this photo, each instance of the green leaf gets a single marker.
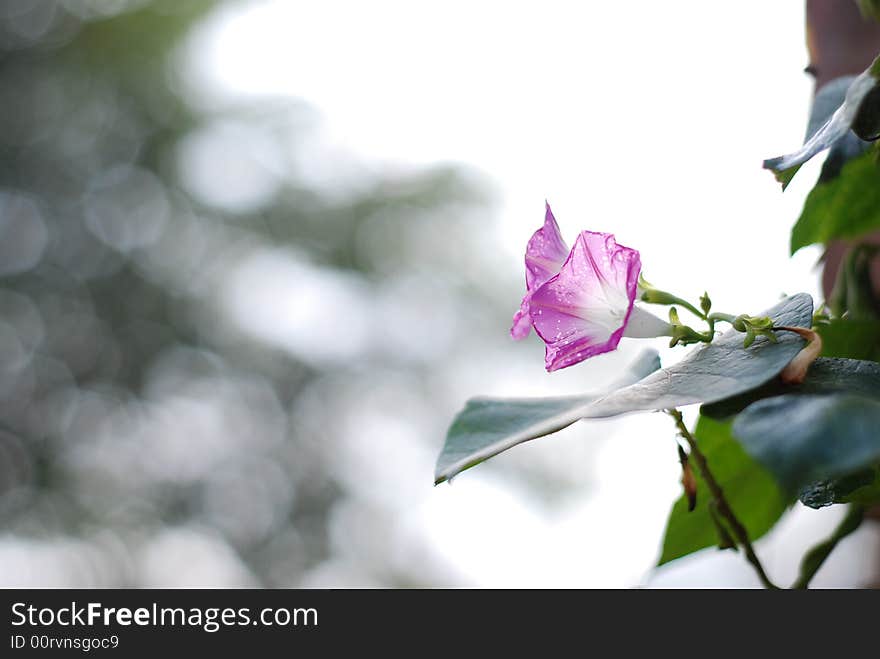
(866, 495)
(489, 426)
(809, 438)
(830, 97)
(870, 8)
(857, 339)
(826, 376)
(853, 295)
(716, 371)
(862, 487)
(719, 370)
(817, 555)
(859, 111)
(845, 207)
(752, 493)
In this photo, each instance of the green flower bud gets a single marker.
(655, 296)
(705, 303)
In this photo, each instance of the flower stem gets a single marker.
(687, 305)
(817, 555)
(721, 505)
(717, 315)
(653, 295)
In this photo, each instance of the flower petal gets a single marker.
(546, 251)
(583, 310)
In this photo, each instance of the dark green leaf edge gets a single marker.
(809, 438)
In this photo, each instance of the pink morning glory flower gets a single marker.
(585, 306)
(546, 251)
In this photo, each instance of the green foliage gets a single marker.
(750, 490)
(817, 437)
(489, 426)
(845, 207)
(810, 438)
(862, 487)
(755, 327)
(817, 555)
(866, 495)
(859, 112)
(717, 371)
(826, 102)
(825, 376)
(856, 339)
(870, 8)
(853, 295)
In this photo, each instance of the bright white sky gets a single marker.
(644, 119)
(649, 120)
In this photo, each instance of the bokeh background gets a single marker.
(254, 255)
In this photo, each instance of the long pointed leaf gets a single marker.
(836, 128)
(717, 371)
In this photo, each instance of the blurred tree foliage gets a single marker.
(143, 432)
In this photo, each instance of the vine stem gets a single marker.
(687, 305)
(814, 558)
(717, 315)
(722, 506)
